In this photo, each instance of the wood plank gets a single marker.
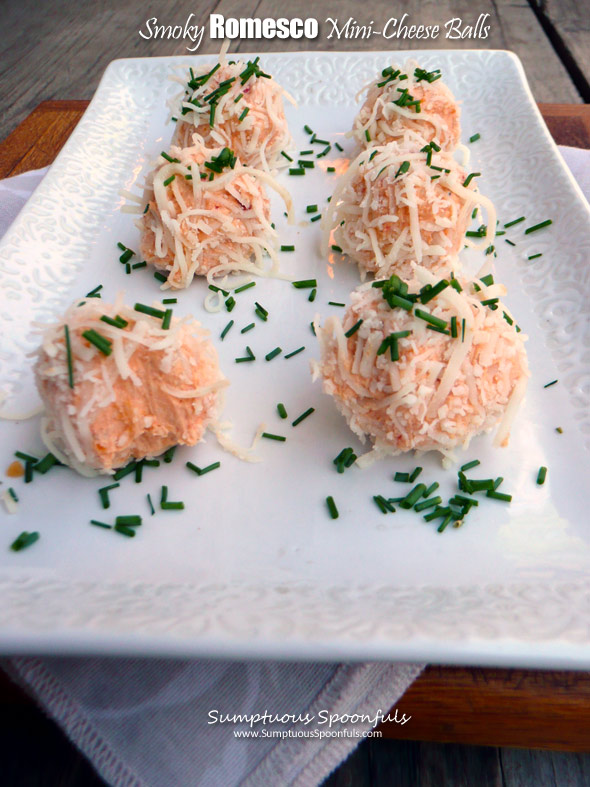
(50, 64)
(500, 707)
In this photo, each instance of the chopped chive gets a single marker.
(307, 130)
(297, 171)
(167, 319)
(332, 507)
(99, 341)
(168, 455)
(26, 457)
(104, 494)
(454, 332)
(312, 326)
(559, 430)
(499, 496)
(382, 504)
(226, 329)
(281, 410)
(304, 284)
(335, 303)
(101, 524)
(444, 523)
(534, 256)
(336, 248)
(248, 327)
(316, 218)
(339, 146)
(539, 226)
(351, 331)
(125, 531)
(510, 242)
(261, 309)
(126, 256)
(490, 302)
(238, 98)
(245, 287)
(306, 164)
(402, 477)
(512, 223)
(414, 474)
(306, 153)
(213, 287)
(286, 156)
(287, 248)
(69, 357)
(437, 513)
(169, 159)
(273, 353)
(547, 385)
(463, 329)
(312, 294)
(311, 209)
(127, 268)
(470, 177)
(475, 137)
(203, 470)
(541, 475)
(331, 169)
(469, 465)
(367, 135)
(320, 141)
(24, 540)
(413, 496)
(13, 494)
(123, 471)
(169, 180)
(136, 265)
(270, 436)
(497, 482)
(177, 506)
(427, 294)
(149, 310)
(430, 318)
(432, 488)
(29, 466)
(160, 276)
(151, 505)
(429, 503)
(131, 520)
(95, 292)
(295, 352)
(303, 416)
(243, 115)
(230, 303)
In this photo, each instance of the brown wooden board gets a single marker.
(527, 708)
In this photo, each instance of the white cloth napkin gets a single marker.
(145, 722)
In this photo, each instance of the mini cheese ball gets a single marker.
(396, 206)
(408, 103)
(206, 215)
(130, 386)
(417, 379)
(235, 105)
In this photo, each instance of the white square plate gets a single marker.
(254, 566)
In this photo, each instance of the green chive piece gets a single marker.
(437, 513)
(306, 164)
(150, 311)
(332, 507)
(24, 540)
(95, 292)
(497, 482)
(45, 464)
(203, 470)
(444, 523)
(512, 223)
(273, 353)
(431, 292)
(381, 504)
(99, 341)
(169, 180)
(169, 159)
(470, 177)
(286, 156)
(414, 475)
(139, 472)
(303, 416)
(104, 494)
(123, 471)
(243, 115)
(510, 242)
(125, 531)
(295, 352)
(270, 436)
(336, 248)
(475, 137)
(311, 209)
(331, 169)
(226, 329)
(430, 318)
(312, 295)
(307, 130)
(261, 309)
(424, 504)
(101, 524)
(413, 496)
(248, 327)
(454, 332)
(541, 475)
(287, 248)
(469, 465)
(230, 303)
(167, 320)
(367, 135)
(29, 472)
(245, 287)
(534, 256)
(304, 284)
(306, 153)
(547, 385)
(432, 488)
(559, 430)
(214, 288)
(177, 506)
(316, 218)
(126, 256)
(463, 329)
(168, 455)
(499, 496)
(69, 357)
(26, 457)
(151, 505)
(337, 145)
(131, 520)
(263, 316)
(403, 477)
(116, 322)
(539, 226)
(335, 303)
(245, 359)
(13, 494)
(281, 410)
(351, 331)
(160, 277)
(297, 171)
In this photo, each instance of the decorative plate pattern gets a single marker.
(536, 606)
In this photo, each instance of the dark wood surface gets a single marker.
(526, 708)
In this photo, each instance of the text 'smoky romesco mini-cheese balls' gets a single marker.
(207, 215)
(235, 105)
(408, 103)
(424, 367)
(397, 205)
(120, 384)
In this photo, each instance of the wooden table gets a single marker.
(496, 707)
